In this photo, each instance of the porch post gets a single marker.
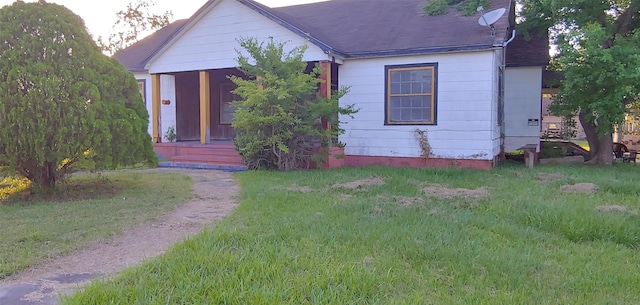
(155, 108)
(325, 87)
(205, 107)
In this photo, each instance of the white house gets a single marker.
(472, 91)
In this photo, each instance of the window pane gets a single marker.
(395, 88)
(395, 102)
(395, 115)
(406, 102)
(417, 101)
(405, 114)
(395, 76)
(416, 88)
(427, 83)
(417, 115)
(405, 76)
(227, 113)
(405, 88)
(417, 75)
(426, 114)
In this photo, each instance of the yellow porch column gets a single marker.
(155, 108)
(205, 107)
(325, 87)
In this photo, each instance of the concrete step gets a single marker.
(207, 150)
(208, 166)
(213, 158)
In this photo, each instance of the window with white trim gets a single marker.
(411, 94)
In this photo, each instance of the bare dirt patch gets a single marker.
(615, 208)
(402, 200)
(359, 183)
(550, 176)
(579, 188)
(214, 197)
(444, 192)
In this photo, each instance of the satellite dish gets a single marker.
(491, 17)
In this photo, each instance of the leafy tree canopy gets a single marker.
(61, 99)
(133, 22)
(599, 56)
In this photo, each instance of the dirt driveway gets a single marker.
(214, 197)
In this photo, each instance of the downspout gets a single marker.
(513, 36)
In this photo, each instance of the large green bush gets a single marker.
(61, 99)
(278, 121)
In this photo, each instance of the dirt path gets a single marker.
(214, 197)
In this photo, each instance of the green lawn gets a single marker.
(424, 236)
(31, 232)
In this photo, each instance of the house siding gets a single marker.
(212, 42)
(167, 112)
(523, 101)
(495, 113)
(465, 126)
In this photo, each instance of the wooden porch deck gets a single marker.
(220, 155)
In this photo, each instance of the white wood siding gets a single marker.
(497, 128)
(167, 112)
(465, 122)
(212, 42)
(523, 102)
(147, 98)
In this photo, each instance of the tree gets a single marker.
(62, 100)
(277, 122)
(599, 57)
(133, 22)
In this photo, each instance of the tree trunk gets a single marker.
(600, 146)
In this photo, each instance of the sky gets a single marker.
(99, 16)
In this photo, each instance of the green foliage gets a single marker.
(277, 123)
(467, 7)
(171, 135)
(599, 58)
(132, 23)
(61, 99)
(598, 81)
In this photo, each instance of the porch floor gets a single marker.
(220, 155)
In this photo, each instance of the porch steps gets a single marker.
(217, 155)
(193, 165)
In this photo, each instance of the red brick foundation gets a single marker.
(356, 161)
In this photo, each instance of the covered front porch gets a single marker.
(197, 104)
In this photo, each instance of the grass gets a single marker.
(528, 242)
(38, 229)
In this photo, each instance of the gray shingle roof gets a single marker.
(356, 28)
(362, 28)
(135, 57)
